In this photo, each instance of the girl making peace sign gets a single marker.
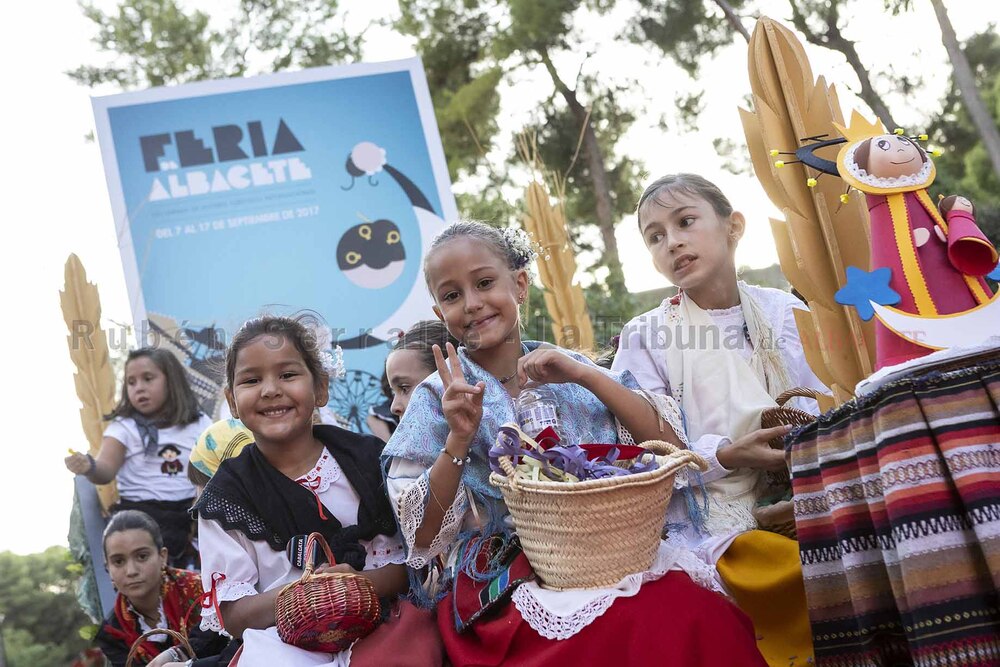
(437, 473)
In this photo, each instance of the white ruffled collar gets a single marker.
(323, 474)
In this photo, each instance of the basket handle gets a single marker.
(685, 456)
(311, 542)
(507, 465)
(803, 392)
(658, 447)
(181, 639)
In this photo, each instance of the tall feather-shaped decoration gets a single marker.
(545, 222)
(88, 348)
(820, 235)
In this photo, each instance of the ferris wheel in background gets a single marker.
(352, 395)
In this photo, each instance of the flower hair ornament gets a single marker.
(519, 247)
(330, 356)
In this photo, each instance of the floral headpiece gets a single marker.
(330, 356)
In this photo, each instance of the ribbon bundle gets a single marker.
(547, 458)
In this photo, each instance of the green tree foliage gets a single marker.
(965, 167)
(157, 42)
(822, 23)
(689, 32)
(964, 80)
(686, 31)
(537, 26)
(41, 617)
(455, 41)
(153, 42)
(472, 50)
(558, 133)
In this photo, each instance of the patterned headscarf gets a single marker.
(224, 439)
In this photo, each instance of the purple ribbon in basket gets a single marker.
(574, 461)
(644, 463)
(571, 460)
(600, 470)
(508, 443)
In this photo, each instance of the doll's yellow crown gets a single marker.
(860, 128)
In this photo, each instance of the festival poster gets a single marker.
(318, 189)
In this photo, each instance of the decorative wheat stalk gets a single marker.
(88, 348)
(546, 223)
(820, 235)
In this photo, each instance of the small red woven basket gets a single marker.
(329, 611)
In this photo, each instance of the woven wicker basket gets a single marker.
(179, 637)
(781, 415)
(779, 517)
(326, 612)
(592, 534)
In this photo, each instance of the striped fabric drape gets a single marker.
(897, 504)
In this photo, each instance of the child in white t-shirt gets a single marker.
(147, 445)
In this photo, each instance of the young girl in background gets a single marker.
(295, 479)
(412, 360)
(437, 474)
(409, 362)
(724, 350)
(381, 422)
(150, 595)
(156, 417)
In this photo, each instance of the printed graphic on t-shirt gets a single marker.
(171, 464)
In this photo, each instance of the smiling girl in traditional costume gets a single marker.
(297, 478)
(437, 475)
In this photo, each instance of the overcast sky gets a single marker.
(55, 200)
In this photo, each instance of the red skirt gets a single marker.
(408, 638)
(671, 622)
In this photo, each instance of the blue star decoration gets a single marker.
(996, 273)
(865, 286)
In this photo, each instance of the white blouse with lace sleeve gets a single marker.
(408, 485)
(253, 567)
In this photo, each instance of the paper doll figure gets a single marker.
(937, 260)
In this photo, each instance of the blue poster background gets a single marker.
(212, 260)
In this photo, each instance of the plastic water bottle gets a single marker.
(536, 410)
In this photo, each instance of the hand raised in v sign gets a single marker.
(462, 403)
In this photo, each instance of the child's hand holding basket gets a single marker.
(327, 609)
